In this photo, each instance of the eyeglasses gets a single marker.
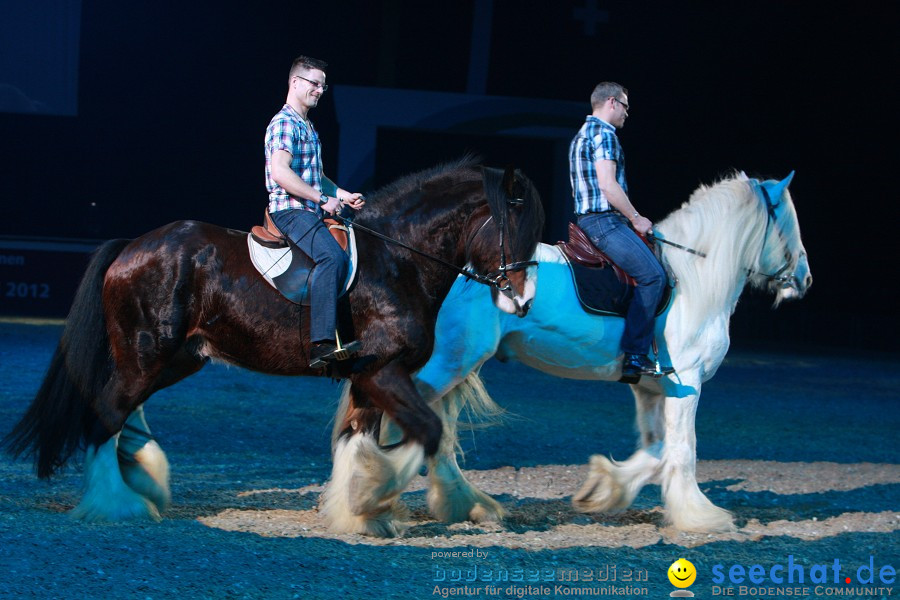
(319, 84)
(625, 104)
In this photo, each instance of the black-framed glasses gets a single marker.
(319, 84)
(625, 104)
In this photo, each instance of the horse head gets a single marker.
(783, 265)
(503, 236)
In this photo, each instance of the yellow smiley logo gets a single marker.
(682, 573)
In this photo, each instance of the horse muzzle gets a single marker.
(507, 299)
(795, 285)
(522, 309)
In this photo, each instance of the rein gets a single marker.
(497, 279)
(778, 276)
(656, 238)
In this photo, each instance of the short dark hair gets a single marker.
(307, 63)
(605, 90)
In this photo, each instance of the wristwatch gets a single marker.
(323, 200)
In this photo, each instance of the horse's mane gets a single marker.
(408, 201)
(727, 222)
(395, 195)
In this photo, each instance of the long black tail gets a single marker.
(60, 415)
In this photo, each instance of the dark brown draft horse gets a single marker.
(151, 311)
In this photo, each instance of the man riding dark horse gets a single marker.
(299, 194)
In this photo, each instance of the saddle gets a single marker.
(287, 268)
(602, 286)
(269, 236)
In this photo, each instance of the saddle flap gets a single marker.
(286, 267)
(268, 234)
(607, 291)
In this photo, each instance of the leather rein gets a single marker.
(779, 276)
(497, 279)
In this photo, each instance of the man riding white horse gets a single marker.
(607, 216)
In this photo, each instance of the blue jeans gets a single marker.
(328, 276)
(611, 233)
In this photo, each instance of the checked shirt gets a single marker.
(596, 140)
(288, 131)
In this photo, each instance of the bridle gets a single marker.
(497, 279)
(784, 276)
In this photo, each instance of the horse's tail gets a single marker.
(469, 397)
(340, 415)
(60, 415)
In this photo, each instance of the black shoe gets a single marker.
(321, 354)
(636, 365)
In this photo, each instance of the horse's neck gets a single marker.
(709, 288)
(434, 230)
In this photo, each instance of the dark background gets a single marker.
(174, 98)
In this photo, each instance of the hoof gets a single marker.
(384, 524)
(708, 519)
(475, 506)
(482, 513)
(148, 475)
(132, 509)
(602, 492)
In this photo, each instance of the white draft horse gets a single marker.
(749, 233)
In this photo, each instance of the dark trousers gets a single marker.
(306, 230)
(611, 233)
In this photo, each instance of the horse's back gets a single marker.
(164, 270)
(187, 234)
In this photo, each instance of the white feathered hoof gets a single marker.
(701, 517)
(147, 473)
(97, 508)
(333, 507)
(366, 482)
(107, 498)
(475, 506)
(602, 492)
(452, 499)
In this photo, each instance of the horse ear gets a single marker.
(777, 189)
(509, 181)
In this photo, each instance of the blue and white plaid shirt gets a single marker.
(288, 131)
(596, 140)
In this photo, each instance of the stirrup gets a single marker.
(344, 352)
(662, 371)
